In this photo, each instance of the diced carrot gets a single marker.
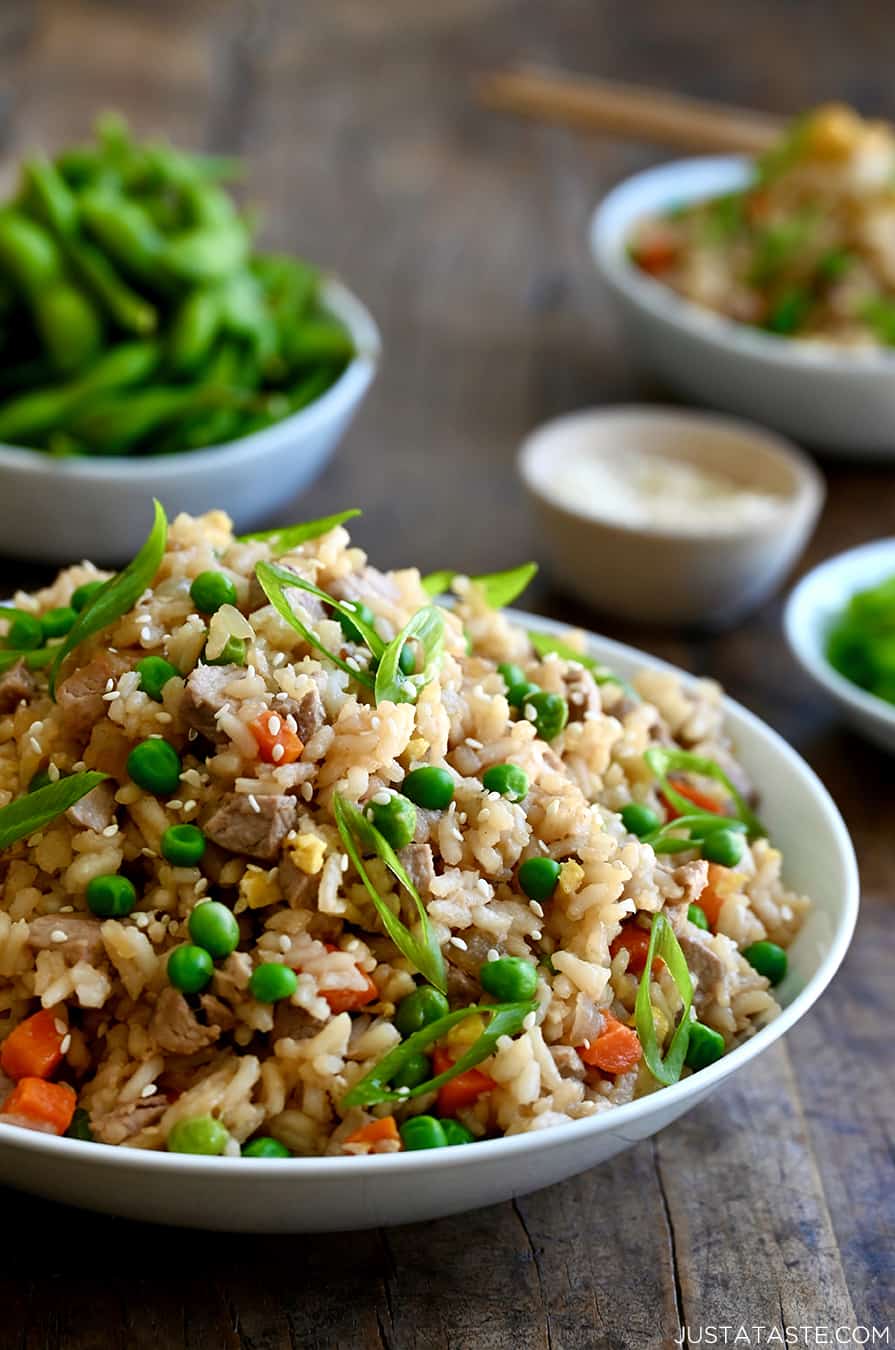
(347, 1000)
(635, 940)
(700, 799)
(710, 901)
(461, 1091)
(277, 744)
(615, 1050)
(34, 1048)
(376, 1130)
(655, 251)
(48, 1104)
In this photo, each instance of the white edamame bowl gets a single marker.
(319, 1194)
(56, 510)
(838, 399)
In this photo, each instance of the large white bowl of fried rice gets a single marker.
(140, 1058)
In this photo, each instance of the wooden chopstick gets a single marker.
(628, 111)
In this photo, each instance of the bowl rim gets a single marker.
(804, 499)
(699, 177)
(147, 470)
(616, 1120)
(808, 652)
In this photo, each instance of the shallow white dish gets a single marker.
(59, 510)
(318, 1194)
(842, 401)
(811, 609)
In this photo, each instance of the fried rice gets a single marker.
(144, 1056)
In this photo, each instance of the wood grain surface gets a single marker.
(774, 1203)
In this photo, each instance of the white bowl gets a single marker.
(708, 577)
(318, 1194)
(54, 510)
(811, 610)
(838, 399)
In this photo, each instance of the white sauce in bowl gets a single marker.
(643, 489)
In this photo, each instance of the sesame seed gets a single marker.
(175, 804)
(65, 1045)
(53, 773)
(307, 791)
(201, 885)
(343, 862)
(403, 1091)
(59, 935)
(473, 743)
(529, 712)
(192, 734)
(173, 927)
(528, 1021)
(190, 805)
(37, 728)
(79, 766)
(536, 908)
(381, 798)
(537, 934)
(141, 920)
(110, 831)
(459, 943)
(251, 671)
(285, 943)
(352, 663)
(278, 660)
(493, 954)
(293, 725)
(253, 803)
(148, 852)
(60, 1026)
(35, 744)
(274, 725)
(462, 817)
(586, 1043)
(66, 909)
(277, 753)
(163, 717)
(149, 1090)
(111, 696)
(110, 684)
(282, 695)
(145, 634)
(349, 604)
(485, 813)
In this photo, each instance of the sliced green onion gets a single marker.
(117, 595)
(275, 581)
(27, 814)
(664, 839)
(507, 1019)
(545, 644)
(285, 538)
(664, 944)
(426, 628)
(357, 833)
(499, 588)
(663, 760)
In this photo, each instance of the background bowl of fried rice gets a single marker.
(333, 1193)
(839, 399)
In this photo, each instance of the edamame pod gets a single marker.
(69, 325)
(124, 230)
(32, 415)
(317, 340)
(118, 423)
(194, 329)
(207, 253)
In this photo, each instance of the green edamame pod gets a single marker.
(117, 423)
(316, 340)
(207, 253)
(51, 196)
(32, 415)
(245, 315)
(69, 325)
(28, 255)
(194, 328)
(125, 231)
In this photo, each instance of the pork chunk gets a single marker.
(176, 1027)
(16, 686)
(702, 961)
(308, 712)
(256, 830)
(420, 866)
(297, 886)
(126, 1121)
(96, 810)
(203, 697)
(80, 695)
(77, 936)
(582, 694)
(692, 877)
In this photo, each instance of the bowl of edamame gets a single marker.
(149, 346)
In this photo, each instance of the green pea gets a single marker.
(639, 819)
(84, 594)
(422, 1132)
(415, 1070)
(697, 917)
(154, 765)
(455, 1133)
(768, 959)
(703, 1047)
(25, 632)
(723, 846)
(198, 1134)
(418, 1009)
(512, 674)
(407, 660)
(183, 845)
(214, 928)
(350, 629)
(271, 982)
(234, 654)
(507, 779)
(395, 819)
(538, 877)
(430, 787)
(111, 897)
(210, 590)
(509, 979)
(155, 672)
(57, 622)
(265, 1147)
(549, 712)
(518, 694)
(190, 969)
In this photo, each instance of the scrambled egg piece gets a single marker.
(571, 875)
(257, 890)
(307, 851)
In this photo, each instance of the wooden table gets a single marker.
(775, 1202)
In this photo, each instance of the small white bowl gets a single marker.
(811, 611)
(658, 575)
(318, 1194)
(838, 399)
(56, 510)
